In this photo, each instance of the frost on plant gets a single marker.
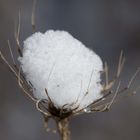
(62, 65)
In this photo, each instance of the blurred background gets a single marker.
(105, 26)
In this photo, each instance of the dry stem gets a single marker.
(63, 129)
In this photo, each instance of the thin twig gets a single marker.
(24, 90)
(17, 36)
(11, 53)
(130, 81)
(52, 68)
(106, 73)
(89, 81)
(8, 65)
(115, 94)
(133, 77)
(33, 16)
(120, 67)
(50, 100)
(40, 110)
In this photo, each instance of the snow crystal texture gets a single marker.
(60, 63)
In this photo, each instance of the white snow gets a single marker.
(64, 66)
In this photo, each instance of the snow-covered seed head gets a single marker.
(61, 64)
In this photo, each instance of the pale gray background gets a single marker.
(104, 25)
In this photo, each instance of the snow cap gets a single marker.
(64, 66)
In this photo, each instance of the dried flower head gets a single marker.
(62, 65)
(63, 77)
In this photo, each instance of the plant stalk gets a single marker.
(63, 128)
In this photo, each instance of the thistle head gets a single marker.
(62, 71)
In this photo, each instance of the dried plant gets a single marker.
(62, 115)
